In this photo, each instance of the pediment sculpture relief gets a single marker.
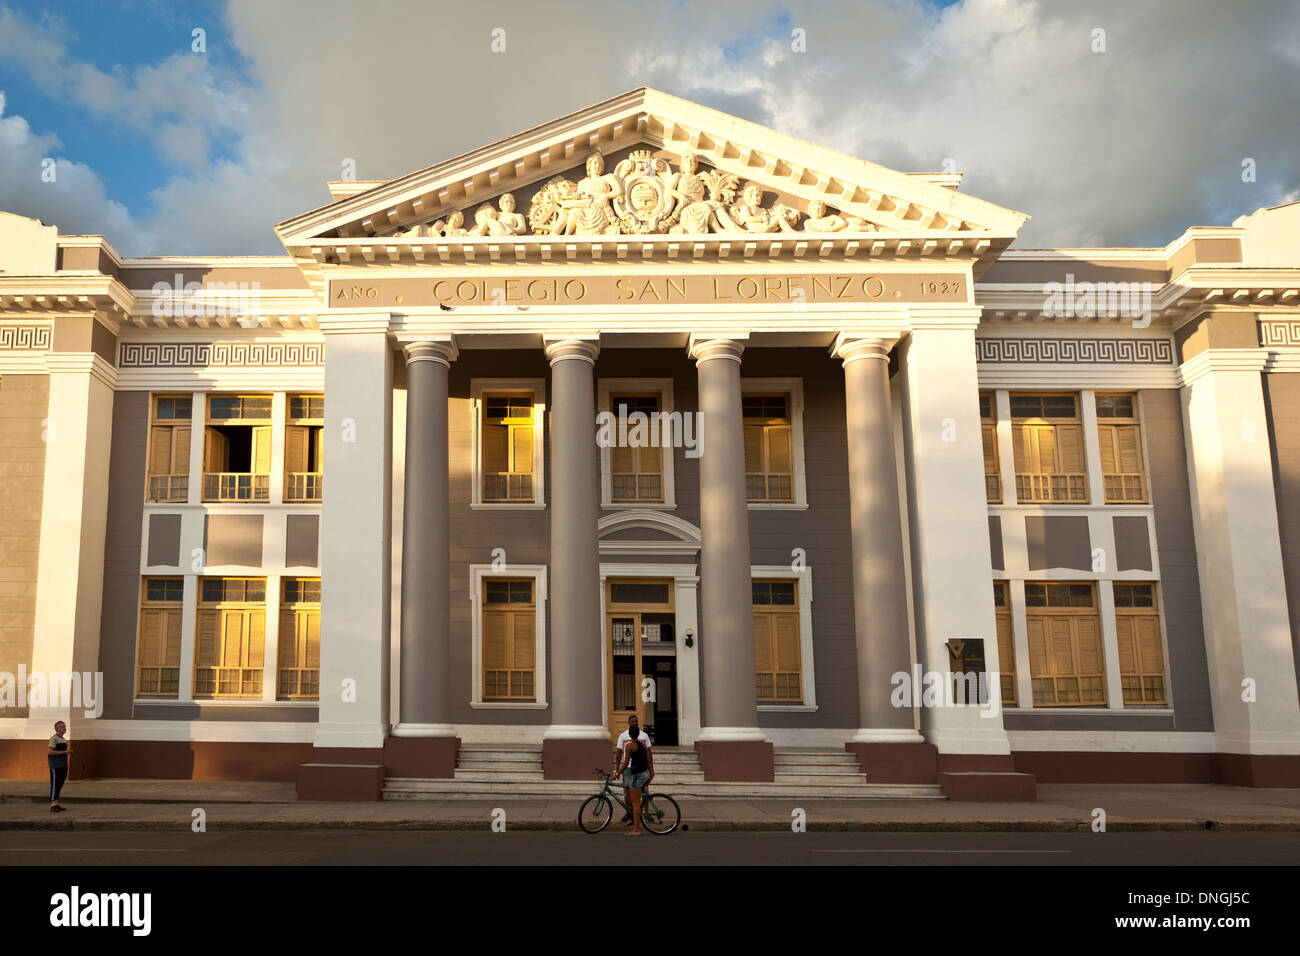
(643, 195)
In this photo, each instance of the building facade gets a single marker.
(650, 410)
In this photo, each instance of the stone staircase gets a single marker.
(515, 770)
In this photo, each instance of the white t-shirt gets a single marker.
(624, 737)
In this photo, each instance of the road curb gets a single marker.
(740, 826)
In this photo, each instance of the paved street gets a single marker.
(484, 848)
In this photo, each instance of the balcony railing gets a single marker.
(304, 486)
(507, 486)
(1063, 487)
(299, 683)
(228, 682)
(1125, 487)
(231, 486)
(169, 487)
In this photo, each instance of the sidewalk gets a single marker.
(168, 805)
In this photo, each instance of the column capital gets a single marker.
(849, 348)
(944, 318)
(559, 348)
(353, 321)
(441, 349)
(1222, 360)
(81, 363)
(704, 348)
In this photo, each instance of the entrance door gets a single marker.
(641, 651)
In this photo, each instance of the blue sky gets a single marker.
(168, 151)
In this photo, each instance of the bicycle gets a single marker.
(659, 812)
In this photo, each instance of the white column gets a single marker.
(952, 567)
(355, 532)
(74, 512)
(1110, 639)
(1092, 453)
(1239, 556)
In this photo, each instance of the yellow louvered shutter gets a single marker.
(311, 638)
(290, 638)
(232, 639)
(318, 439)
(180, 464)
(1150, 654)
(651, 460)
(1058, 629)
(1038, 656)
(988, 434)
(765, 680)
(1044, 461)
(206, 653)
(1106, 442)
(1128, 658)
(786, 632)
(216, 453)
(171, 652)
(496, 456)
(1129, 448)
(494, 640)
(295, 448)
(1070, 449)
(753, 449)
(1006, 658)
(524, 657)
(262, 450)
(160, 457)
(151, 625)
(778, 449)
(521, 441)
(256, 643)
(1020, 439)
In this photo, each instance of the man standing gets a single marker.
(633, 732)
(57, 755)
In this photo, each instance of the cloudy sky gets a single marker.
(165, 150)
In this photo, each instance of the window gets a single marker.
(169, 448)
(231, 637)
(304, 445)
(1047, 436)
(777, 655)
(237, 448)
(637, 457)
(769, 451)
(1119, 433)
(158, 660)
(509, 639)
(1006, 643)
(507, 441)
(1065, 657)
(299, 671)
(989, 433)
(1141, 658)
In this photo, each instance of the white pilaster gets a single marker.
(355, 531)
(951, 558)
(1239, 557)
(74, 509)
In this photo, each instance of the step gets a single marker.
(396, 788)
(478, 763)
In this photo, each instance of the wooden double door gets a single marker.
(641, 655)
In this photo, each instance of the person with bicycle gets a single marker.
(637, 767)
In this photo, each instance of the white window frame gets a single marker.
(518, 385)
(664, 387)
(808, 678)
(478, 573)
(794, 388)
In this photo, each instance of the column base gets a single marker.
(575, 758)
(412, 756)
(1257, 770)
(742, 761)
(342, 774)
(896, 762)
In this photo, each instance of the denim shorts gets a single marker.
(636, 781)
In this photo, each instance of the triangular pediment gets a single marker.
(747, 182)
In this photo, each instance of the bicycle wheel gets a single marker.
(660, 813)
(595, 814)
